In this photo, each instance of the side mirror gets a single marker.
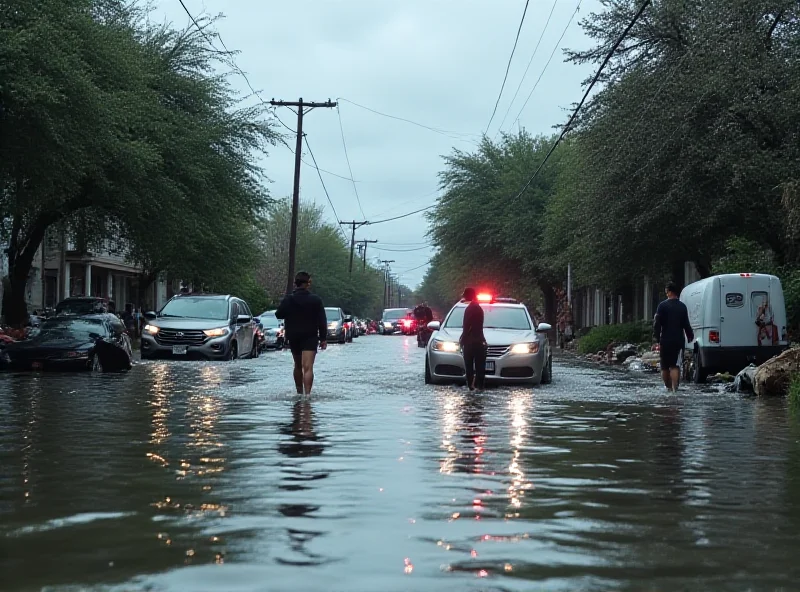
(150, 316)
(544, 328)
(434, 325)
(243, 319)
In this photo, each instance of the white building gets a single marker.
(60, 270)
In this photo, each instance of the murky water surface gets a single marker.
(193, 476)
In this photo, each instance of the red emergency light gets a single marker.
(483, 297)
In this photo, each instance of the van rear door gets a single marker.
(742, 297)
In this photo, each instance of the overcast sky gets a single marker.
(439, 63)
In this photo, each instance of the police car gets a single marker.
(518, 348)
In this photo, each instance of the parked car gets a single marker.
(391, 320)
(273, 329)
(737, 319)
(206, 326)
(80, 342)
(362, 326)
(337, 329)
(352, 331)
(518, 347)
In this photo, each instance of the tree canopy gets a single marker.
(108, 121)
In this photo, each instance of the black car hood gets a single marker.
(34, 344)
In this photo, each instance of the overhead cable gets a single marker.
(645, 4)
(508, 67)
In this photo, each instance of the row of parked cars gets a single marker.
(83, 334)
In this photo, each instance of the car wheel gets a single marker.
(343, 338)
(233, 351)
(699, 373)
(547, 371)
(254, 349)
(428, 377)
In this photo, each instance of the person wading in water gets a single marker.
(670, 325)
(473, 343)
(306, 330)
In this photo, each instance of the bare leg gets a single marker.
(308, 370)
(298, 373)
(665, 376)
(675, 377)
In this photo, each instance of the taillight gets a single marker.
(713, 336)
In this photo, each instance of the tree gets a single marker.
(113, 122)
(487, 228)
(691, 138)
(322, 252)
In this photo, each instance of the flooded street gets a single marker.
(216, 476)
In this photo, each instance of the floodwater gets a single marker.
(216, 477)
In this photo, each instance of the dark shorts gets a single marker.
(297, 345)
(671, 355)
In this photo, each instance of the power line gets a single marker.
(347, 158)
(508, 67)
(405, 271)
(404, 215)
(645, 4)
(404, 250)
(564, 32)
(448, 133)
(535, 50)
(325, 189)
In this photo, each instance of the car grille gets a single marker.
(495, 351)
(180, 337)
(517, 372)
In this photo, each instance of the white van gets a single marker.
(737, 319)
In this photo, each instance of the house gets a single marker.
(60, 269)
(593, 306)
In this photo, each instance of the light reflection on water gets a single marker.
(216, 477)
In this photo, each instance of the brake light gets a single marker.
(407, 323)
(713, 336)
(484, 297)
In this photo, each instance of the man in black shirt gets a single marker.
(306, 329)
(473, 343)
(670, 325)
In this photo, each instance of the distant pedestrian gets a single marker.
(473, 342)
(306, 329)
(670, 325)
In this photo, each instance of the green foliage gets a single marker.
(322, 252)
(794, 393)
(743, 255)
(599, 337)
(114, 125)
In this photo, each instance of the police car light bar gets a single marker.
(484, 297)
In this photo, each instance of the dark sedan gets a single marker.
(85, 342)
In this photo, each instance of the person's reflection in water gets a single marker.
(473, 435)
(304, 443)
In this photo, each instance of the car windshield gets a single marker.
(79, 307)
(393, 315)
(270, 321)
(70, 329)
(494, 317)
(332, 314)
(198, 308)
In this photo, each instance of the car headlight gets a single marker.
(387, 324)
(525, 348)
(446, 346)
(333, 325)
(152, 329)
(218, 332)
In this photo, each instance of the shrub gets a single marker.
(794, 392)
(599, 337)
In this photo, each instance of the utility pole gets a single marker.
(302, 108)
(362, 247)
(386, 300)
(354, 224)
